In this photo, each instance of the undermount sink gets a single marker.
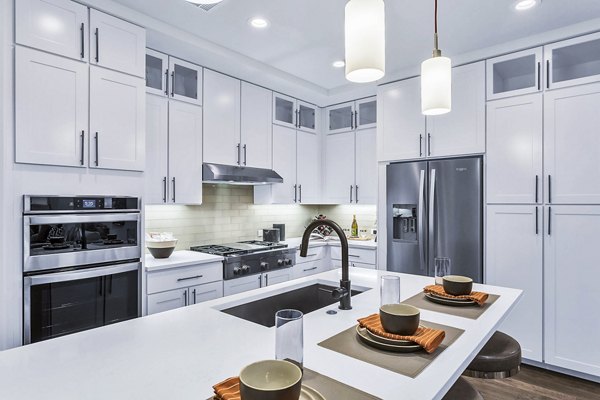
(306, 299)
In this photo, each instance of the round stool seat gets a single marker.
(462, 390)
(499, 358)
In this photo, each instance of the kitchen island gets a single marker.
(180, 354)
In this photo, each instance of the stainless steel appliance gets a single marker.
(81, 263)
(251, 264)
(271, 235)
(435, 209)
(241, 175)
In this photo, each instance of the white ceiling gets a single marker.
(306, 36)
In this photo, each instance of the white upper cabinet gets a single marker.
(222, 143)
(284, 110)
(514, 259)
(307, 117)
(185, 153)
(462, 130)
(256, 126)
(571, 288)
(117, 120)
(117, 44)
(51, 113)
(55, 26)
(572, 145)
(338, 165)
(365, 113)
(573, 62)
(366, 167)
(400, 123)
(157, 73)
(185, 83)
(308, 167)
(284, 163)
(515, 74)
(340, 118)
(157, 145)
(514, 154)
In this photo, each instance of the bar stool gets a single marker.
(462, 390)
(499, 358)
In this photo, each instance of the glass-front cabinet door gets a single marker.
(365, 115)
(157, 71)
(185, 81)
(515, 74)
(284, 110)
(573, 62)
(340, 118)
(307, 117)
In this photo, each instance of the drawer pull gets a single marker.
(309, 269)
(312, 255)
(190, 278)
(353, 255)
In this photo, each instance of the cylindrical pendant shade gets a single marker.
(365, 40)
(436, 86)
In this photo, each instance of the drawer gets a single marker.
(177, 278)
(206, 292)
(362, 265)
(314, 253)
(307, 269)
(363, 256)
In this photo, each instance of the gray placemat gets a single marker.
(409, 364)
(473, 312)
(332, 389)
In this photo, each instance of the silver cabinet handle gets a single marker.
(353, 255)
(429, 144)
(549, 188)
(239, 156)
(165, 189)
(432, 233)
(309, 269)
(297, 122)
(300, 190)
(97, 145)
(299, 118)
(356, 119)
(537, 179)
(537, 231)
(539, 77)
(245, 155)
(173, 83)
(266, 279)
(185, 300)
(194, 294)
(189, 278)
(356, 192)
(82, 147)
(295, 193)
(97, 33)
(547, 74)
(173, 181)
(549, 221)
(351, 187)
(311, 255)
(167, 82)
(82, 28)
(351, 119)
(420, 145)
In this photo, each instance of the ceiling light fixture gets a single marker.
(339, 64)
(258, 22)
(365, 40)
(204, 1)
(436, 79)
(525, 4)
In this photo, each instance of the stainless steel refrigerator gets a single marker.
(435, 209)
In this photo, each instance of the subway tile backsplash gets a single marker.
(228, 214)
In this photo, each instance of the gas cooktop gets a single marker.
(239, 248)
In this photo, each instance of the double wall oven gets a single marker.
(81, 264)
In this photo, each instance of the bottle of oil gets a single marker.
(354, 230)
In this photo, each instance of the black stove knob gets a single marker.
(264, 266)
(237, 271)
(288, 261)
(245, 269)
(280, 263)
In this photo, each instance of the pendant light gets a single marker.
(436, 79)
(365, 40)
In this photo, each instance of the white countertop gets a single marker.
(181, 258)
(180, 354)
(365, 244)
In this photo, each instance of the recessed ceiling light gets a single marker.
(525, 4)
(204, 1)
(258, 22)
(339, 64)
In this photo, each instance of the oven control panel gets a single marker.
(66, 204)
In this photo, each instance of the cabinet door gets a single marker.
(221, 119)
(157, 145)
(340, 118)
(185, 153)
(206, 292)
(51, 112)
(157, 73)
(284, 163)
(240, 285)
(514, 259)
(257, 126)
(461, 131)
(366, 113)
(338, 164)
(166, 301)
(573, 62)
(279, 276)
(514, 155)
(185, 81)
(514, 74)
(307, 117)
(400, 124)
(572, 145)
(117, 44)
(55, 26)
(309, 168)
(366, 167)
(117, 120)
(571, 318)
(284, 111)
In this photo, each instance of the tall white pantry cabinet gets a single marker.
(543, 194)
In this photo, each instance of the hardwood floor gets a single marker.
(537, 384)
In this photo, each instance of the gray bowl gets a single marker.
(161, 252)
(401, 319)
(271, 380)
(457, 285)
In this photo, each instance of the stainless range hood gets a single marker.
(236, 175)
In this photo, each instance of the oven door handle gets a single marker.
(79, 218)
(81, 274)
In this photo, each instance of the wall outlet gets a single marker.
(259, 233)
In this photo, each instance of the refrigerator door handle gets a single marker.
(421, 217)
(432, 215)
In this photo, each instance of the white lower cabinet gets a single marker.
(239, 285)
(209, 291)
(275, 277)
(166, 301)
(514, 259)
(316, 261)
(357, 257)
(571, 270)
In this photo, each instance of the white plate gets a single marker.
(308, 393)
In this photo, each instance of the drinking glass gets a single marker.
(442, 268)
(289, 336)
(390, 289)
